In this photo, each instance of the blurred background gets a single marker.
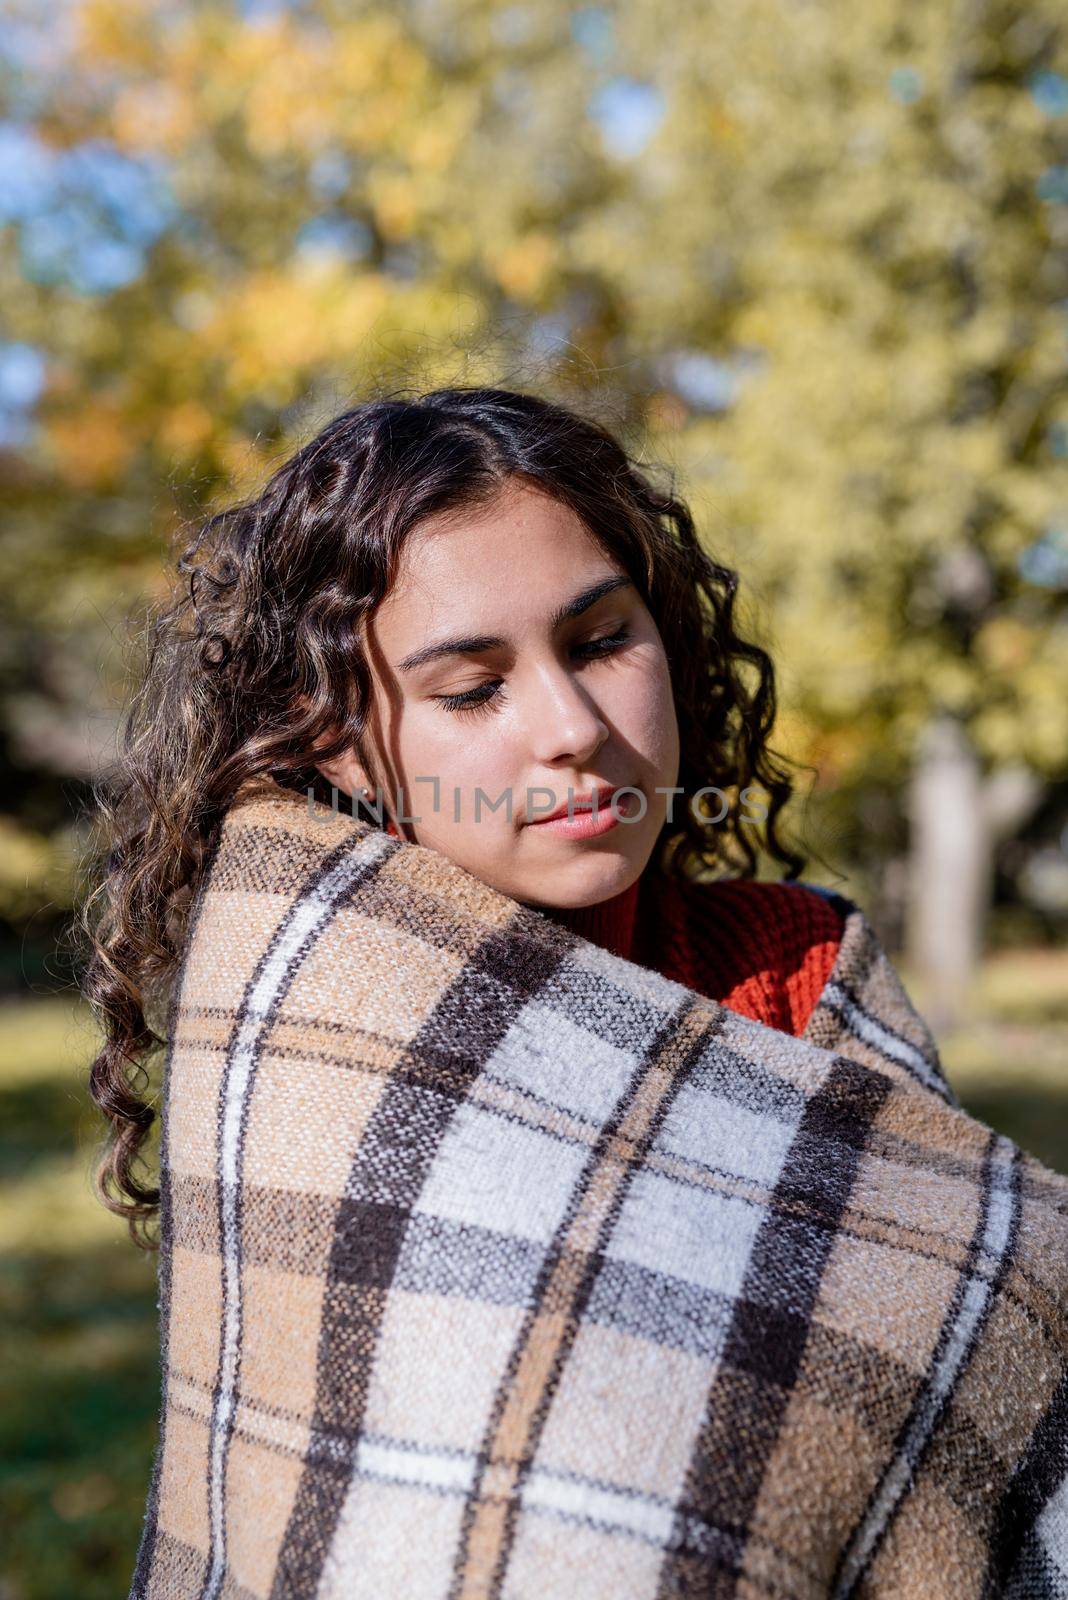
(813, 258)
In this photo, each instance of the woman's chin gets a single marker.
(578, 884)
(560, 874)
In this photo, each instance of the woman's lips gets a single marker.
(588, 823)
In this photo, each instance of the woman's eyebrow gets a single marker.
(471, 644)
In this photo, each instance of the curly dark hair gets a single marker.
(256, 657)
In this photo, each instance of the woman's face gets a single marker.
(513, 657)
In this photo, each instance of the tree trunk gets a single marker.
(956, 817)
(950, 869)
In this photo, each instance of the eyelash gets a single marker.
(475, 700)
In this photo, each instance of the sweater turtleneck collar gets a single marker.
(610, 923)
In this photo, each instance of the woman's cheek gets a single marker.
(463, 754)
(644, 708)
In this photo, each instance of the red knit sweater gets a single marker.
(764, 949)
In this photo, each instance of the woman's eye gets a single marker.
(480, 697)
(471, 699)
(606, 643)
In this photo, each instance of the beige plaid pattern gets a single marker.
(494, 1265)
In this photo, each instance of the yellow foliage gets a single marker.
(276, 326)
(722, 126)
(394, 199)
(836, 752)
(1004, 644)
(152, 117)
(437, 138)
(186, 428)
(375, 50)
(980, 447)
(863, 235)
(92, 446)
(115, 33)
(523, 268)
(245, 464)
(304, 89)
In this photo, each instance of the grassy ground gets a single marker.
(79, 1390)
(79, 1385)
(1010, 1064)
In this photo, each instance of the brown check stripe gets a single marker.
(495, 1266)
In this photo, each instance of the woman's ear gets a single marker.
(345, 772)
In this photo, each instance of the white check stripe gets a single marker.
(453, 1472)
(978, 1292)
(304, 922)
(424, 1469)
(1052, 1531)
(872, 1032)
(567, 1497)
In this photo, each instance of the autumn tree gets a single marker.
(811, 258)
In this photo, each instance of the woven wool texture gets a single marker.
(496, 1265)
(760, 951)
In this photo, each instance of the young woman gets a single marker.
(492, 1263)
(475, 612)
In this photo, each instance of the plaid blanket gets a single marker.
(495, 1265)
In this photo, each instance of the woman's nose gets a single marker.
(564, 721)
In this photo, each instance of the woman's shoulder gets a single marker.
(787, 916)
(793, 907)
(809, 960)
(765, 949)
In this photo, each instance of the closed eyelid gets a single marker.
(473, 699)
(617, 627)
(483, 644)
